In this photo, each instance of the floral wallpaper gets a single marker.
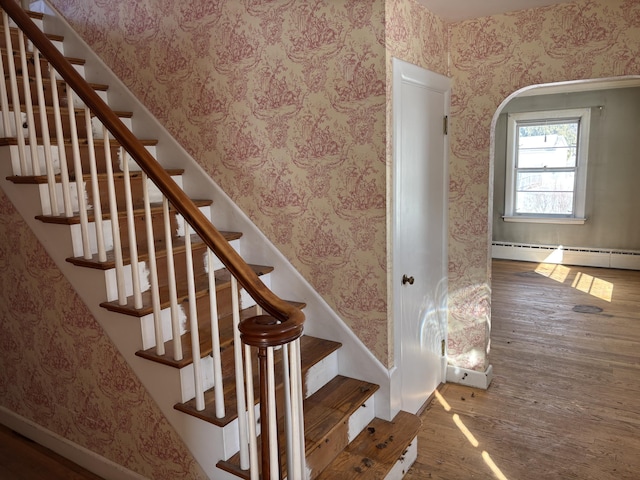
(60, 370)
(492, 57)
(286, 104)
(283, 103)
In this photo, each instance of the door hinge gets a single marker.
(442, 344)
(445, 125)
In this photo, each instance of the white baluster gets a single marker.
(289, 421)
(115, 221)
(171, 278)
(4, 97)
(215, 338)
(131, 227)
(46, 140)
(95, 189)
(297, 415)
(193, 321)
(240, 392)
(153, 268)
(31, 123)
(77, 168)
(17, 111)
(62, 154)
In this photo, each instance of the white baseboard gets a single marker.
(79, 455)
(581, 256)
(471, 378)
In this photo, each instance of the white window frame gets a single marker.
(580, 191)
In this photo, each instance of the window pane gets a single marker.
(545, 181)
(543, 145)
(546, 203)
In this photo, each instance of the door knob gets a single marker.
(406, 280)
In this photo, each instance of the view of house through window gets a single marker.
(546, 167)
(546, 164)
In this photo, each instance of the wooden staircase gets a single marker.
(343, 439)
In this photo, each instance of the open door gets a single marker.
(420, 199)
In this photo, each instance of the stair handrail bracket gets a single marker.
(272, 326)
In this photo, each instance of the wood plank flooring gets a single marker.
(22, 459)
(564, 402)
(565, 398)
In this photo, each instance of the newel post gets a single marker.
(266, 332)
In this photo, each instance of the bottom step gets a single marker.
(384, 450)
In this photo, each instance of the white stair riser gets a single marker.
(403, 464)
(361, 418)
(112, 284)
(55, 154)
(318, 375)
(108, 235)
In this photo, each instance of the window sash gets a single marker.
(565, 199)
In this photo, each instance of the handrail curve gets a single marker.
(281, 310)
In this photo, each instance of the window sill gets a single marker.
(556, 220)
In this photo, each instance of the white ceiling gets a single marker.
(456, 10)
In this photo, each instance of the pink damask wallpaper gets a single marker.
(492, 57)
(60, 371)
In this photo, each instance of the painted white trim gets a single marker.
(471, 378)
(78, 454)
(582, 256)
(558, 220)
(583, 115)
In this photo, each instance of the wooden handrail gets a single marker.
(290, 318)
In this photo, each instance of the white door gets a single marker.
(420, 199)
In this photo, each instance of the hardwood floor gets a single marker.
(22, 459)
(564, 402)
(565, 398)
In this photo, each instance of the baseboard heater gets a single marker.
(587, 257)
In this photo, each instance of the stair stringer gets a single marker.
(355, 359)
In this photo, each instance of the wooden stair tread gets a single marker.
(78, 111)
(160, 248)
(222, 279)
(51, 36)
(312, 350)
(29, 55)
(41, 179)
(374, 452)
(61, 83)
(326, 417)
(225, 328)
(98, 142)
(137, 211)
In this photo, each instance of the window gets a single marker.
(547, 166)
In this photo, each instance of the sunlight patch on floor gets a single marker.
(470, 437)
(583, 282)
(593, 286)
